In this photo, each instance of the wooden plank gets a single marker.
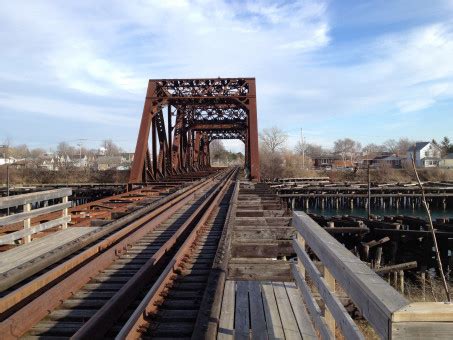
(241, 315)
(370, 293)
(422, 330)
(9, 238)
(257, 319)
(16, 200)
(259, 270)
(33, 213)
(336, 308)
(18, 256)
(226, 323)
(312, 306)
(273, 321)
(265, 248)
(255, 233)
(425, 311)
(289, 322)
(329, 281)
(300, 312)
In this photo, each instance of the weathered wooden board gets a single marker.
(259, 269)
(17, 256)
(226, 322)
(242, 313)
(269, 249)
(300, 312)
(16, 200)
(274, 323)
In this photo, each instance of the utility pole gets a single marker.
(369, 191)
(5, 154)
(302, 145)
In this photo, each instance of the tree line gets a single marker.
(278, 160)
(22, 151)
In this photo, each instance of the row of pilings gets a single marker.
(346, 202)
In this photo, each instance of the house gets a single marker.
(447, 161)
(426, 154)
(390, 159)
(343, 164)
(324, 161)
(7, 160)
(109, 162)
(80, 161)
(128, 156)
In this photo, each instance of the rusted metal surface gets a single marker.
(133, 327)
(198, 111)
(105, 252)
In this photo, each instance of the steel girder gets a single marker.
(198, 111)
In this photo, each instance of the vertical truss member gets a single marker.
(198, 111)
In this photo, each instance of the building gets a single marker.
(80, 161)
(446, 162)
(391, 160)
(324, 161)
(7, 160)
(109, 162)
(426, 154)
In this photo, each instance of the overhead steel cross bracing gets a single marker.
(197, 112)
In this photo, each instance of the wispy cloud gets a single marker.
(313, 60)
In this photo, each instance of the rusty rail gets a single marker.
(90, 262)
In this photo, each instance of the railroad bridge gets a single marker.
(192, 251)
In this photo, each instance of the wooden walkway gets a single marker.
(18, 256)
(263, 310)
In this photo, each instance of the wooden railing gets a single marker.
(387, 311)
(27, 201)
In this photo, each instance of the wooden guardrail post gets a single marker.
(330, 320)
(64, 213)
(27, 223)
(300, 265)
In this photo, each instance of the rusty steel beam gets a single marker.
(205, 109)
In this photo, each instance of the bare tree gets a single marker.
(372, 150)
(398, 147)
(445, 146)
(403, 145)
(64, 149)
(311, 150)
(273, 139)
(391, 145)
(347, 148)
(217, 150)
(111, 149)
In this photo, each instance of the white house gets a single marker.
(426, 154)
(8, 160)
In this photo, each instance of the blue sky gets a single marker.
(369, 70)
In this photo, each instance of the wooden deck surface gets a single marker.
(17, 256)
(263, 310)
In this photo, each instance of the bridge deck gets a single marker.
(263, 309)
(18, 256)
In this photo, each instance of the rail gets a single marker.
(27, 201)
(22, 315)
(390, 314)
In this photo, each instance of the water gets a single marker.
(363, 212)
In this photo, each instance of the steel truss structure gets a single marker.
(197, 111)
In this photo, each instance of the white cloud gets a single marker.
(108, 50)
(66, 110)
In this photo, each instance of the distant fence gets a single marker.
(27, 201)
(390, 314)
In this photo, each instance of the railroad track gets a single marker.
(95, 294)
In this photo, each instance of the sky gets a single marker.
(77, 71)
